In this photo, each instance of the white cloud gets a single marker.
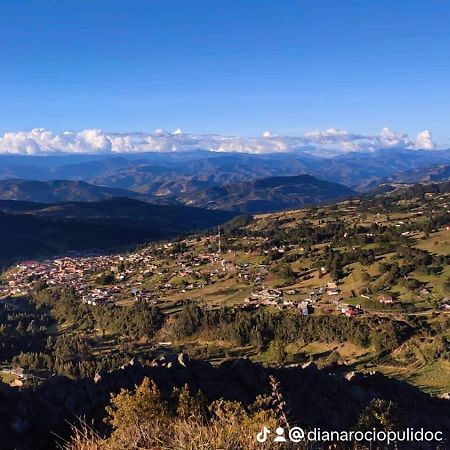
(390, 139)
(331, 134)
(123, 144)
(326, 142)
(40, 141)
(424, 140)
(346, 141)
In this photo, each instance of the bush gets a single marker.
(142, 419)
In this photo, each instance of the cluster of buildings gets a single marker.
(276, 298)
(76, 272)
(319, 298)
(174, 269)
(100, 279)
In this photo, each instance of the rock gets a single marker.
(98, 376)
(183, 359)
(349, 376)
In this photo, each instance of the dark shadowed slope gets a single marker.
(58, 228)
(315, 398)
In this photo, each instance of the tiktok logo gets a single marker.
(263, 435)
(295, 434)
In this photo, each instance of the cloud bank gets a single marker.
(331, 141)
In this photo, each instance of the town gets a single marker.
(224, 270)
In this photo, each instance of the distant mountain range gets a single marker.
(257, 196)
(430, 174)
(359, 169)
(268, 194)
(36, 229)
(440, 172)
(152, 173)
(60, 191)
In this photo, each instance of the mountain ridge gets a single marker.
(59, 190)
(145, 172)
(269, 194)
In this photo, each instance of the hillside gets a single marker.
(17, 206)
(268, 194)
(436, 173)
(30, 230)
(130, 211)
(429, 174)
(59, 191)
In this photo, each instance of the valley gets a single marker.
(379, 262)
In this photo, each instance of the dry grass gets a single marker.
(179, 435)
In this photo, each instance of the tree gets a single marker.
(412, 284)
(33, 328)
(20, 328)
(190, 406)
(365, 277)
(129, 409)
(279, 353)
(379, 414)
(447, 286)
(287, 273)
(105, 279)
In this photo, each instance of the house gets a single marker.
(351, 311)
(305, 308)
(333, 292)
(305, 311)
(385, 299)
(27, 264)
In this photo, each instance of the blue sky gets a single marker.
(235, 66)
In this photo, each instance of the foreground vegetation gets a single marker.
(143, 419)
